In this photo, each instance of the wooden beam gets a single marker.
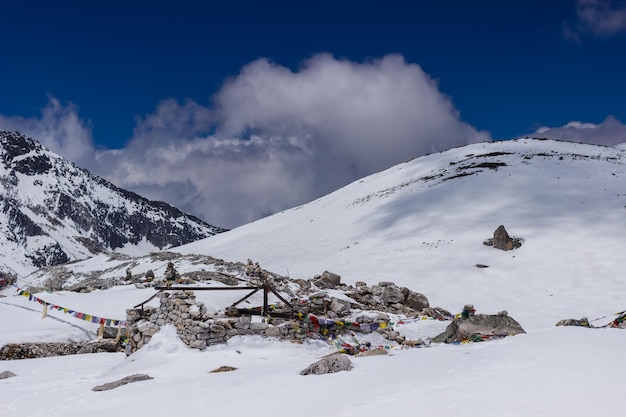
(161, 288)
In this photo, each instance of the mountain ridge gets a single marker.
(52, 211)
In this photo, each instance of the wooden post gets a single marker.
(265, 304)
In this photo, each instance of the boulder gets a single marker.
(502, 240)
(479, 327)
(327, 280)
(335, 362)
(414, 300)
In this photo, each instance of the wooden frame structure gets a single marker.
(264, 285)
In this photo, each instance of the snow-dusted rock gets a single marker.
(335, 362)
(479, 327)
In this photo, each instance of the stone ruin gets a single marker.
(367, 307)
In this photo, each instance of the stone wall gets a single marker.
(42, 350)
(198, 329)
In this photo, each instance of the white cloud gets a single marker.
(282, 138)
(59, 128)
(274, 138)
(608, 133)
(601, 18)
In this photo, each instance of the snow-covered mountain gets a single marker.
(52, 211)
(420, 224)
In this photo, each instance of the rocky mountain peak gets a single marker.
(52, 211)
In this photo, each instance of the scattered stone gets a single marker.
(335, 362)
(7, 375)
(339, 307)
(584, 322)
(224, 368)
(481, 266)
(373, 352)
(127, 380)
(479, 327)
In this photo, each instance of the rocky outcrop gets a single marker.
(335, 362)
(64, 216)
(479, 327)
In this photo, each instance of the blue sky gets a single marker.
(87, 78)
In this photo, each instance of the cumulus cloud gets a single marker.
(608, 133)
(601, 18)
(275, 138)
(272, 138)
(59, 128)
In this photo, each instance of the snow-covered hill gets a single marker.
(53, 212)
(422, 225)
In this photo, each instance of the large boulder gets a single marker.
(479, 327)
(502, 240)
(335, 362)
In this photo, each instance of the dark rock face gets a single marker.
(479, 327)
(72, 214)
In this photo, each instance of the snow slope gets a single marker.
(420, 224)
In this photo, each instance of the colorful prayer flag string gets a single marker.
(82, 316)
